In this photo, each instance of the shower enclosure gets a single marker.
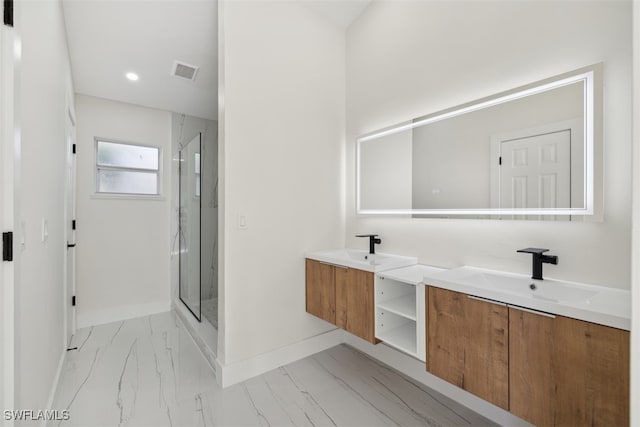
(189, 226)
(198, 222)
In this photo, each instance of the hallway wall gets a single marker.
(45, 89)
(123, 241)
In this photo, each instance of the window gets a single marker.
(127, 168)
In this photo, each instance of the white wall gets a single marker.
(123, 242)
(407, 59)
(282, 136)
(44, 91)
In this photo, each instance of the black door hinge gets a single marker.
(8, 12)
(73, 148)
(73, 224)
(500, 160)
(73, 300)
(7, 246)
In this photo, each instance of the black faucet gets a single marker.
(538, 260)
(373, 241)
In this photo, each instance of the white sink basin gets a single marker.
(363, 260)
(518, 285)
(598, 304)
(548, 289)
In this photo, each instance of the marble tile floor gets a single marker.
(148, 372)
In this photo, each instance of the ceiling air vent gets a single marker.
(180, 69)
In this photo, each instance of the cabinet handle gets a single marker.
(540, 313)
(334, 265)
(490, 301)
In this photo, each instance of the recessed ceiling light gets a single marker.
(132, 76)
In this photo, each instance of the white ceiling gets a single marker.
(108, 38)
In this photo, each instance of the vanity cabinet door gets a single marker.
(340, 275)
(468, 344)
(564, 371)
(356, 299)
(342, 296)
(321, 290)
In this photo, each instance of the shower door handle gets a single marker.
(71, 245)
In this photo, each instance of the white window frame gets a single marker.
(110, 195)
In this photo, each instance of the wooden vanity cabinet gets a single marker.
(549, 370)
(355, 306)
(321, 290)
(343, 296)
(564, 371)
(468, 343)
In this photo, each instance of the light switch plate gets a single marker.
(23, 234)
(242, 222)
(45, 230)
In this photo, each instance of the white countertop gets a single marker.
(362, 260)
(606, 306)
(413, 274)
(597, 304)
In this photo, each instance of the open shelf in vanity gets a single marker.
(404, 306)
(400, 312)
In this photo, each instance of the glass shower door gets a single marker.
(189, 226)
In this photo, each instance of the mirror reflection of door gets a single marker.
(446, 163)
(535, 171)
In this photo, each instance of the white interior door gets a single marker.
(535, 171)
(70, 225)
(7, 204)
(3, 344)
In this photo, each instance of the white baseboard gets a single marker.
(54, 385)
(239, 371)
(124, 312)
(416, 369)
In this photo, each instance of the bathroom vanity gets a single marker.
(551, 352)
(340, 287)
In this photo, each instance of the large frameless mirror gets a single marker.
(525, 153)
